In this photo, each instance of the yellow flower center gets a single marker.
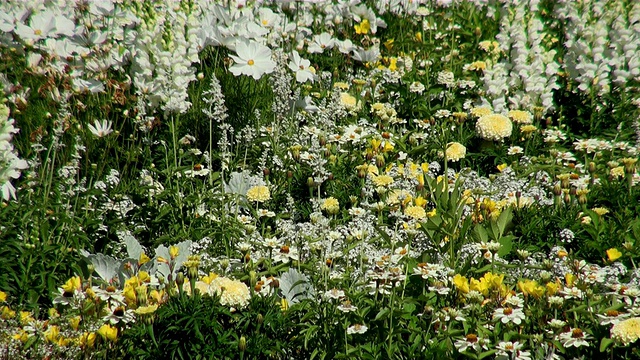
(251, 62)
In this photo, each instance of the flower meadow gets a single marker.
(319, 179)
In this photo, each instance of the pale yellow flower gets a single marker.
(415, 212)
(626, 331)
(481, 111)
(382, 180)
(455, 151)
(330, 205)
(494, 127)
(232, 292)
(259, 193)
(520, 116)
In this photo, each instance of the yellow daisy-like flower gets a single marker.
(626, 331)
(382, 180)
(415, 212)
(520, 116)
(259, 193)
(3, 296)
(494, 127)
(455, 151)
(330, 205)
(528, 129)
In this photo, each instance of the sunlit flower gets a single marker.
(508, 314)
(108, 332)
(253, 60)
(613, 254)
(301, 67)
(382, 180)
(494, 127)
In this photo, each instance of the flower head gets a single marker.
(259, 193)
(494, 127)
(253, 60)
(330, 205)
(101, 129)
(232, 293)
(455, 151)
(626, 331)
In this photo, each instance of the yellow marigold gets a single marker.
(527, 129)
(455, 151)
(494, 127)
(259, 193)
(330, 205)
(382, 180)
(626, 331)
(415, 212)
(520, 116)
(481, 111)
(617, 172)
(232, 293)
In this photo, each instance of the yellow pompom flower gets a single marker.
(494, 127)
(626, 331)
(520, 116)
(259, 193)
(330, 205)
(382, 180)
(415, 212)
(455, 151)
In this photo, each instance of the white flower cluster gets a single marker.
(163, 52)
(527, 77)
(10, 163)
(602, 38)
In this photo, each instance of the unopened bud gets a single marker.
(242, 344)
(380, 161)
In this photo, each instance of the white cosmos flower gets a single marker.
(253, 60)
(302, 68)
(101, 128)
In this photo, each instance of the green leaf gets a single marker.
(605, 343)
(506, 243)
(504, 219)
(486, 354)
(382, 314)
(481, 233)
